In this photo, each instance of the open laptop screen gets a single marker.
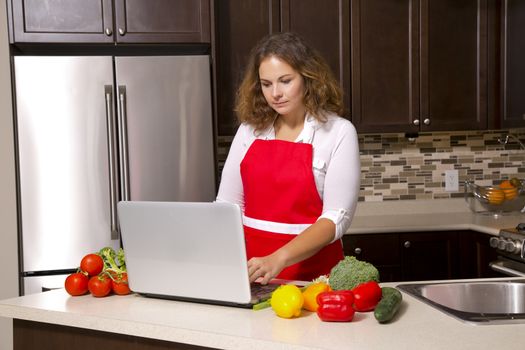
(185, 250)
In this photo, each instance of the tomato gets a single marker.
(120, 285)
(99, 286)
(366, 296)
(76, 284)
(92, 264)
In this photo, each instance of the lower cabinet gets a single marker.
(475, 256)
(418, 256)
(382, 250)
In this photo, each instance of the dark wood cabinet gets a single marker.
(512, 67)
(418, 256)
(47, 336)
(162, 21)
(475, 255)
(385, 65)
(419, 65)
(407, 256)
(79, 21)
(382, 250)
(239, 24)
(325, 26)
(109, 21)
(429, 255)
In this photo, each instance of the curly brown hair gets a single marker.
(322, 93)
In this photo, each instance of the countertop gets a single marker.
(417, 325)
(429, 215)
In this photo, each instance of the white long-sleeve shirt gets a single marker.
(336, 166)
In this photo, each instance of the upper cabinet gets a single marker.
(110, 21)
(419, 65)
(325, 26)
(240, 24)
(512, 63)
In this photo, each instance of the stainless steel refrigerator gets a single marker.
(94, 130)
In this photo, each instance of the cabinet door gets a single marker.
(162, 21)
(61, 21)
(240, 24)
(382, 250)
(429, 256)
(385, 72)
(453, 64)
(476, 254)
(325, 26)
(513, 56)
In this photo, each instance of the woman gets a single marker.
(293, 165)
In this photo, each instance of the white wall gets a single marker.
(8, 228)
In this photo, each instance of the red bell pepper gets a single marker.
(336, 306)
(366, 296)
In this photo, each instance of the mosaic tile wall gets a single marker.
(396, 168)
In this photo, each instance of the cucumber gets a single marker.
(388, 305)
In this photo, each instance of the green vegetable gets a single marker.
(388, 305)
(350, 272)
(114, 262)
(262, 305)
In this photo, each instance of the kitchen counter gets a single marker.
(431, 215)
(417, 326)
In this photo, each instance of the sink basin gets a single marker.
(493, 302)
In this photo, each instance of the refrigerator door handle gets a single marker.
(108, 89)
(123, 143)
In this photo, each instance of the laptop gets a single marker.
(190, 251)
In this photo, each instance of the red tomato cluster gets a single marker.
(92, 277)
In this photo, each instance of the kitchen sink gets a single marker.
(494, 302)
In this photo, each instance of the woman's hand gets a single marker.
(266, 267)
(306, 244)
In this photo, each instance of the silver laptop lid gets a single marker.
(185, 250)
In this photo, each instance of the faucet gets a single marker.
(513, 137)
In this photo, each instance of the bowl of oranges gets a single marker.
(506, 197)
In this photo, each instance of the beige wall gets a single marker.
(8, 240)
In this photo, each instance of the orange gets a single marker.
(506, 184)
(510, 193)
(495, 196)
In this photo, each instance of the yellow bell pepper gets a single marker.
(287, 301)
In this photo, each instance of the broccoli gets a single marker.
(350, 272)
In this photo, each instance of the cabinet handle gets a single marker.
(426, 121)
(121, 31)
(108, 31)
(416, 122)
(406, 244)
(357, 251)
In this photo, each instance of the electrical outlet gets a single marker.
(451, 181)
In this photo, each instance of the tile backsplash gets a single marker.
(394, 167)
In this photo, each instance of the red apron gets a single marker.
(280, 195)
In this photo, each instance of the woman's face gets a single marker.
(282, 86)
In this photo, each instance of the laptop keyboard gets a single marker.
(262, 291)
